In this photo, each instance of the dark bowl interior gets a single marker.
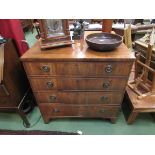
(103, 41)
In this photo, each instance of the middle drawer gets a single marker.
(109, 98)
(106, 83)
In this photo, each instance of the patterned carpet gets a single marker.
(34, 132)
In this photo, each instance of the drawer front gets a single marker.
(34, 68)
(105, 98)
(58, 110)
(79, 68)
(93, 68)
(40, 84)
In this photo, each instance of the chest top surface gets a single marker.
(77, 52)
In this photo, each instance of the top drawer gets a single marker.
(79, 68)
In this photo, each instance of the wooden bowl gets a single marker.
(103, 41)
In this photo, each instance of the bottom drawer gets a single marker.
(53, 110)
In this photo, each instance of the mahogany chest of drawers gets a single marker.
(77, 81)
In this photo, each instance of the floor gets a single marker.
(143, 125)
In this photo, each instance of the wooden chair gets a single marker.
(140, 92)
(141, 84)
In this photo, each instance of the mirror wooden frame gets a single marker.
(54, 41)
(43, 29)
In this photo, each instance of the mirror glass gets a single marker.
(54, 27)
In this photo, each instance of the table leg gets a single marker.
(132, 117)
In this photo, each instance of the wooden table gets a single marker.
(132, 106)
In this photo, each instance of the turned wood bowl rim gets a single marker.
(110, 34)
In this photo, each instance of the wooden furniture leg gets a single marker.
(148, 60)
(153, 116)
(46, 120)
(132, 117)
(24, 118)
(113, 120)
(127, 36)
(136, 66)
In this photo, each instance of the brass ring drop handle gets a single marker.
(108, 69)
(56, 110)
(50, 84)
(101, 110)
(45, 68)
(104, 99)
(52, 98)
(106, 85)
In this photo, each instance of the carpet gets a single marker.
(34, 132)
